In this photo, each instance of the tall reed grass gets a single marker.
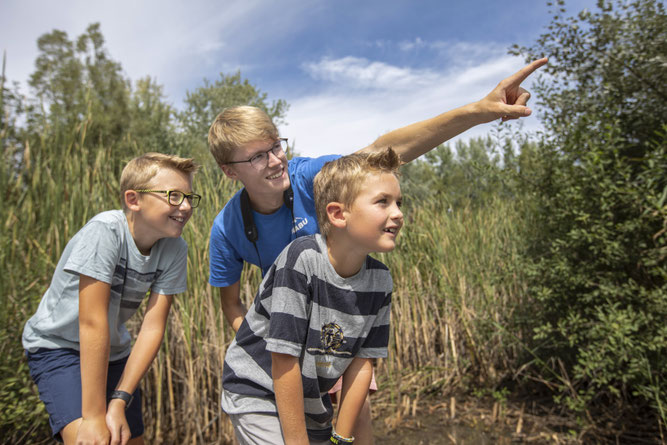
(456, 295)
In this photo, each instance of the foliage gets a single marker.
(204, 103)
(599, 209)
(62, 151)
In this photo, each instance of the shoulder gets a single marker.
(299, 252)
(109, 223)
(228, 218)
(378, 274)
(308, 167)
(230, 211)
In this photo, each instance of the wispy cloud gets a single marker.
(336, 121)
(357, 72)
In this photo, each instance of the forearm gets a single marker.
(232, 307)
(356, 380)
(94, 356)
(288, 389)
(143, 353)
(147, 344)
(414, 140)
(507, 101)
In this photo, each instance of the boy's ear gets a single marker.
(131, 200)
(229, 172)
(336, 214)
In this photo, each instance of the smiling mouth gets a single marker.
(179, 219)
(393, 230)
(277, 175)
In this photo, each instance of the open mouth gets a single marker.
(392, 230)
(179, 219)
(277, 175)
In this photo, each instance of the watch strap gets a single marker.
(123, 395)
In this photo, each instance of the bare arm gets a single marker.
(356, 380)
(288, 387)
(232, 307)
(506, 101)
(143, 353)
(94, 350)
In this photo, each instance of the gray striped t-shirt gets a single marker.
(105, 250)
(306, 310)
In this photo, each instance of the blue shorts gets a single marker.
(57, 373)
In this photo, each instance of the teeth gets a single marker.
(276, 176)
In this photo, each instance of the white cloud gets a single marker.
(337, 121)
(357, 72)
(172, 41)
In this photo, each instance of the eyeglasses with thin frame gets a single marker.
(260, 160)
(176, 197)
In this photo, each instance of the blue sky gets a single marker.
(350, 70)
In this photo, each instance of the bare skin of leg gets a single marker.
(363, 429)
(69, 434)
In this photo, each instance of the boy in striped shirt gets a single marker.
(322, 312)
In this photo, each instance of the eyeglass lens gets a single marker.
(261, 160)
(176, 198)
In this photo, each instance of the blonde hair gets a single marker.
(139, 172)
(237, 126)
(341, 180)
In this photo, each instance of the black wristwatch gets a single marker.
(122, 395)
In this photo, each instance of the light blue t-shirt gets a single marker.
(228, 245)
(105, 250)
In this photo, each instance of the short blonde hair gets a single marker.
(237, 126)
(139, 172)
(341, 180)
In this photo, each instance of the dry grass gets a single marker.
(455, 297)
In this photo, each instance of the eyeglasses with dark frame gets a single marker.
(176, 197)
(260, 160)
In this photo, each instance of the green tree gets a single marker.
(599, 183)
(152, 126)
(207, 101)
(74, 81)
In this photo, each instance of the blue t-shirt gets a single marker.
(228, 245)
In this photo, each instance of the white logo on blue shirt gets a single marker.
(299, 223)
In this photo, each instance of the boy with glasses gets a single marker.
(277, 202)
(78, 349)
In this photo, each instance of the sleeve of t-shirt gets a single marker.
(173, 279)
(96, 252)
(377, 341)
(288, 305)
(225, 264)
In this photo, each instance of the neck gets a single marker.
(266, 204)
(344, 256)
(143, 241)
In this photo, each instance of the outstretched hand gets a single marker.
(508, 99)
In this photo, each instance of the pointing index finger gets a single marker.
(526, 71)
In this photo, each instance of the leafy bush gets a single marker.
(598, 252)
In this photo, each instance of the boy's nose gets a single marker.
(185, 205)
(274, 159)
(397, 213)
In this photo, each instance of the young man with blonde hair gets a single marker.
(277, 202)
(322, 312)
(78, 349)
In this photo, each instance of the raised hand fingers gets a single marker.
(515, 79)
(523, 97)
